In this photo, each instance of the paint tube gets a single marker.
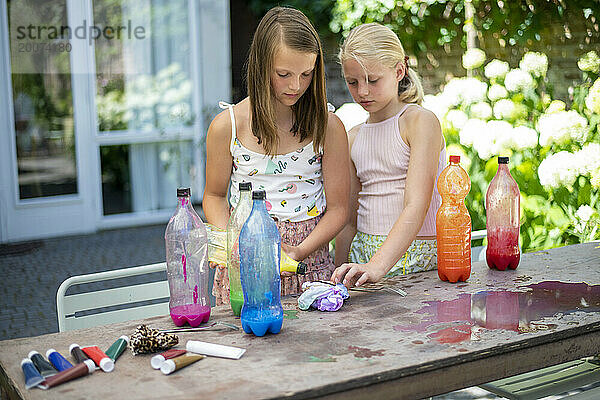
(158, 359)
(32, 375)
(101, 359)
(57, 359)
(177, 363)
(79, 370)
(77, 353)
(214, 350)
(117, 348)
(46, 369)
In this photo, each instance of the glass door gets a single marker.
(44, 191)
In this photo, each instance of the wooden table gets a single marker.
(439, 338)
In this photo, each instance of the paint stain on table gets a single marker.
(363, 352)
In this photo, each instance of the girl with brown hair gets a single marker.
(283, 140)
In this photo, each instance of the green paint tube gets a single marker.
(117, 348)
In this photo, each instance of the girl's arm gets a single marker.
(218, 170)
(425, 139)
(335, 166)
(344, 239)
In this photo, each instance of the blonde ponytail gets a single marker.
(377, 43)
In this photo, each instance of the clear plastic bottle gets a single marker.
(234, 226)
(260, 248)
(453, 224)
(502, 219)
(186, 243)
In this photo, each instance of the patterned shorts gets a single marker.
(420, 256)
(319, 264)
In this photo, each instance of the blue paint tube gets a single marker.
(42, 365)
(57, 360)
(32, 375)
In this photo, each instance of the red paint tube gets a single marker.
(101, 359)
(77, 353)
(159, 359)
(79, 370)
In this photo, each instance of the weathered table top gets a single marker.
(439, 338)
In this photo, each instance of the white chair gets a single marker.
(118, 304)
(478, 252)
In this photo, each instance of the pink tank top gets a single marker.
(381, 160)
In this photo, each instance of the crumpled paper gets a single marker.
(322, 296)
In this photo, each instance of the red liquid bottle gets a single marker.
(502, 219)
(453, 224)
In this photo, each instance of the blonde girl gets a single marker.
(283, 140)
(397, 155)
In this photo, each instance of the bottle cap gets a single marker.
(455, 159)
(259, 195)
(502, 160)
(183, 192)
(301, 270)
(245, 186)
(32, 353)
(50, 351)
(157, 361)
(167, 367)
(91, 366)
(25, 361)
(71, 347)
(107, 364)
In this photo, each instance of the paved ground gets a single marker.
(31, 273)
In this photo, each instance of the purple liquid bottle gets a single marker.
(186, 243)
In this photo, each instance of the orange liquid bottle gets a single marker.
(453, 224)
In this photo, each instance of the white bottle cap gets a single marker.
(71, 347)
(25, 361)
(50, 351)
(32, 353)
(107, 364)
(91, 366)
(157, 361)
(125, 338)
(167, 367)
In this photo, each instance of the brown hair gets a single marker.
(288, 26)
(375, 42)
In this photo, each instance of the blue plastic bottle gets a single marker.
(260, 251)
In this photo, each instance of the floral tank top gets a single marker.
(293, 181)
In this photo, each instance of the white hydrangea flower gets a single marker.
(456, 118)
(504, 109)
(518, 80)
(473, 58)
(437, 104)
(558, 170)
(473, 128)
(556, 106)
(534, 63)
(595, 179)
(592, 101)
(523, 138)
(481, 110)
(496, 69)
(588, 159)
(589, 62)
(465, 90)
(351, 115)
(562, 126)
(494, 140)
(497, 92)
(585, 212)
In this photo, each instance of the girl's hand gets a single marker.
(351, 274)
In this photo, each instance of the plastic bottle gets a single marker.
(186, 242)
(502, 219)
(260, 247)
(234, 226)
(453, 224)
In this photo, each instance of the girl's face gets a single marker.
(375, 87)
(292, 74)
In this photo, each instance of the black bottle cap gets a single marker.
(259, 195)
(502, 160)
(301, 270)
(245, 186)
(183, 192)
